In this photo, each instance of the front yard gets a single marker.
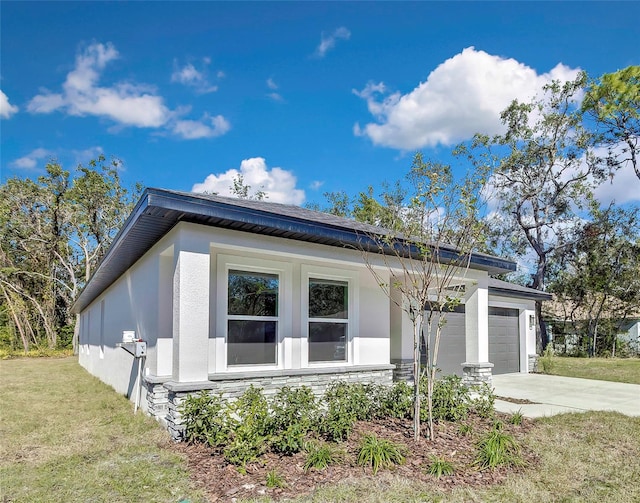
(606, 369)
(67, 437)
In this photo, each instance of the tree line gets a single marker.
(537, 180)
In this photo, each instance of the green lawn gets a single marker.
(606, 369)
(65, 436)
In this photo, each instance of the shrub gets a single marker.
(483, 402)
(546, 362)
(497, 448)
(293, 413)
(379, 453)
(320, 455)
(451, 399)
(439, 467)
(341, 413)
(397, 401)
(274, 479)
(204, 419)
(249, 416)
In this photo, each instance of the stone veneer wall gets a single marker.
(164, 399)
(403, 370)
(533, 363)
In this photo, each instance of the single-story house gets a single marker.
(230, 292)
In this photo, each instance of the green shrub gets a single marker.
(294, 412)
(204, 419)
(547, 362)
(274, 479)
(320, 455)
(397, 401)
(439, 467)
(379, 453)
(497, 448)
(450, 399)
(342, 411)
(484, 400)
(249, 418)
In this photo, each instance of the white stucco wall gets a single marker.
(173, 291)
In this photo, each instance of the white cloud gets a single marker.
(329, 42)
(271, 84)
(6, 108)
(623, 187)
(30, 161)
(192, 77)
(278, 184)
(316, 184)
(207, 127)
(462, 96)
(125, 103)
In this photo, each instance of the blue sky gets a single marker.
(302, 98)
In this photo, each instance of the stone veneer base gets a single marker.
(476, 373)
(165, 398)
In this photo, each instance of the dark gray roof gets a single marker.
(158, 210)
(500, 287)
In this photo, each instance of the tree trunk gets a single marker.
(416, 379)
(542, 336)
(76, 335)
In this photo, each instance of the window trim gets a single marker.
(308, 273)
(283, 270)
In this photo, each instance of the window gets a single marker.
(252, 317)
(328, 320)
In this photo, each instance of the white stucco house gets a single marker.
(228, 292)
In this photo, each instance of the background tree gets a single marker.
(614, 103)
(53, 232)
(543, 170)
(598, 278)
(425, 252)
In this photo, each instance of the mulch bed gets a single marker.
(224, 483)
(523, 401)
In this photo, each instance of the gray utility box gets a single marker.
(138, 349)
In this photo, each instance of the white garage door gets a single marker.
(504, 340)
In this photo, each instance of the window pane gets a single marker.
(327, 342)
(328, 299)
(253, 293)
(251, 342)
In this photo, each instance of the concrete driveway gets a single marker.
(554, 395)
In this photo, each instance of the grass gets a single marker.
(65, 437)
(606, 369)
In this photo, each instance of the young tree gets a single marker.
(425, 258)
(614, 103)
(543, 169)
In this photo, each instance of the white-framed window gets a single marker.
(328, 313)
(252, 317)
(253, 326)
(329, 303)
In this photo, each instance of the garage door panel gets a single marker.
(451, 353)
(504, 340)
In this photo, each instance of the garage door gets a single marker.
(451, 353)
(504, 340)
